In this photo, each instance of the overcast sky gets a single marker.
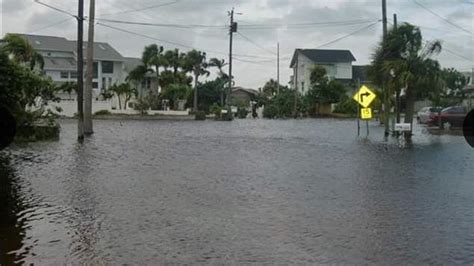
(274, 22)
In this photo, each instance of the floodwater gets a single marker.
(245, 192)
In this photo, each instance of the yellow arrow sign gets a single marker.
(364, 96)
(366, 113)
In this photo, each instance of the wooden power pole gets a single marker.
(386, 100)
(88, 128)
(278, 68)
(80, 71)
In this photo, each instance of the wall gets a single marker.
(334, 70)
(70, 107)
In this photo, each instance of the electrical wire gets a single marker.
(348, 35)
(255, 44)
(160, 24)
(141, 9)
(55, 8)
(50, 25)
(440, 17)
(174, 43)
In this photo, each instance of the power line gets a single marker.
(348, 35)
(256, 44)
(141, 9)
(55, 8)
(440, 17)
(50, 25)
(304, 25)
(173, 43)
(161, 24)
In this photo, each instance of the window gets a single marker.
(302, 86)
(107, 67)
(96, 70)
(73, 74)
(95, 85)
(64, 74)
(148, 83)
(103, 84)
(110, 82)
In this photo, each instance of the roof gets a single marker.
(360, 73)
(49, 43)
(58, 63)
(102, 51)
(131, 63)
(249, 91)
(324, 56)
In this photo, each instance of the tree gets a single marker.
(454, 81)
(282, 105)
(123, 90)
(196, 63)
(138, 74)
(220, 63)
(22, 51)
(176, 92)
(271, 88)
(322, 91)
(68, 87)
(21, 89)
(153, 57)
(173, 60)
(404, 57)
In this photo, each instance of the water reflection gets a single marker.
(12, 228)
(275, 192)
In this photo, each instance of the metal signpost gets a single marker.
(365, 97)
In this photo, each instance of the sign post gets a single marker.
(364, 97)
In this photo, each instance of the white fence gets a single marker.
(69, 109)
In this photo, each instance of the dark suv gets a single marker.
(450, 117)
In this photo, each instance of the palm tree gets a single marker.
(196, 63)
(124, 90)
(405, 58)
(172, 57)
(22, 51)
(153, 57)
(220, 63)
(138, 74)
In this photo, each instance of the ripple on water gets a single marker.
(250, 191)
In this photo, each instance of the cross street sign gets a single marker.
(364, 96)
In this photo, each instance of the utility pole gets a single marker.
(232, 29)
(80, 71)
(397, 89)
(384, 86)
(278, 68)
(296, 88)
(88, 129)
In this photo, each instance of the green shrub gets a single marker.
(200, 115)
(103, 112)
(142, 105)
(270, 111)
(242, 113)
(347, 106)
(216, 110)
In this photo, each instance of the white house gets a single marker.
(338, 65)
(60, 57)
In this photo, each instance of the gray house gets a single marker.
(338, 65)
(60, 59)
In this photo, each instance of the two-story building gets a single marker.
(60, 58)
(338, 65)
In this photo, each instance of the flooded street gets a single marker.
(250, 191)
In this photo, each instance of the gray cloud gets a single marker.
(268, 12)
